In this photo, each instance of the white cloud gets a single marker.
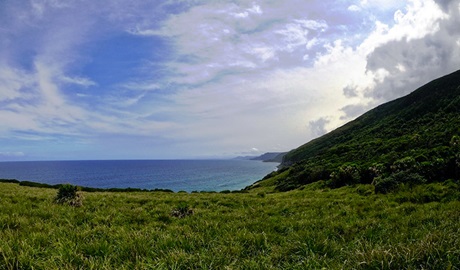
(420, 19)
(295, 34)
(400, 67)
(255, 9)
(354, 8)
(263, 53)
(336, 53)
(12, 83)
(126, 102)
(85, 82)
(141, 86)
(381, 4)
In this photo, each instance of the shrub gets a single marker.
(70, 195)
(347, 174)
(286, 184)
(261, 194)
(404, 164)
(300, 176)
(455, 142)
(182, 210)
(377, 169)
(385, 185)
(391, 183)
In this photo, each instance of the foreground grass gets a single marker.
(347, 228)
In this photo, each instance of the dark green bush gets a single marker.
(287, 184)
(385, 185)
(301, 175)
(394, 181)
(404, 164)
(347, 174)
(69, 194)
(261, 194)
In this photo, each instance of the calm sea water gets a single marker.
(177, 175)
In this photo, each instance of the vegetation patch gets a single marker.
(69, 195)
(182, 210)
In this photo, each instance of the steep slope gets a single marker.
(415, 136)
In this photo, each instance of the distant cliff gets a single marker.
(267, 157)
(271, 157)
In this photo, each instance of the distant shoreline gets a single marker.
(186, 175)
(120, 190)
(87, 189)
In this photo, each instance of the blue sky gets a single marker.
(203, 79)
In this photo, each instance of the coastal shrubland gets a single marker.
(315, 227)
(381, 192)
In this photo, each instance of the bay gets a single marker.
(176, 175)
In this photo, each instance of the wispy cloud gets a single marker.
(142, 86)
(85, 82)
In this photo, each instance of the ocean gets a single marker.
(176, 175)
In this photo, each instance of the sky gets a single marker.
(173, 79)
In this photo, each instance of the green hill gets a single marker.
(409, 140)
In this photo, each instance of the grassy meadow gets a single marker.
(312, 228)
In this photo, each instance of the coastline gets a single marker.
(144, 176)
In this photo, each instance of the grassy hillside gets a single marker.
(312, 228)
(413, 138)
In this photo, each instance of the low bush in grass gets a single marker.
(182, 210)
(69, 195)
(391, 183)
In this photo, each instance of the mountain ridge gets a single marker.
(266, 157)
(271, 157)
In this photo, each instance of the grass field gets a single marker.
(313, 228)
